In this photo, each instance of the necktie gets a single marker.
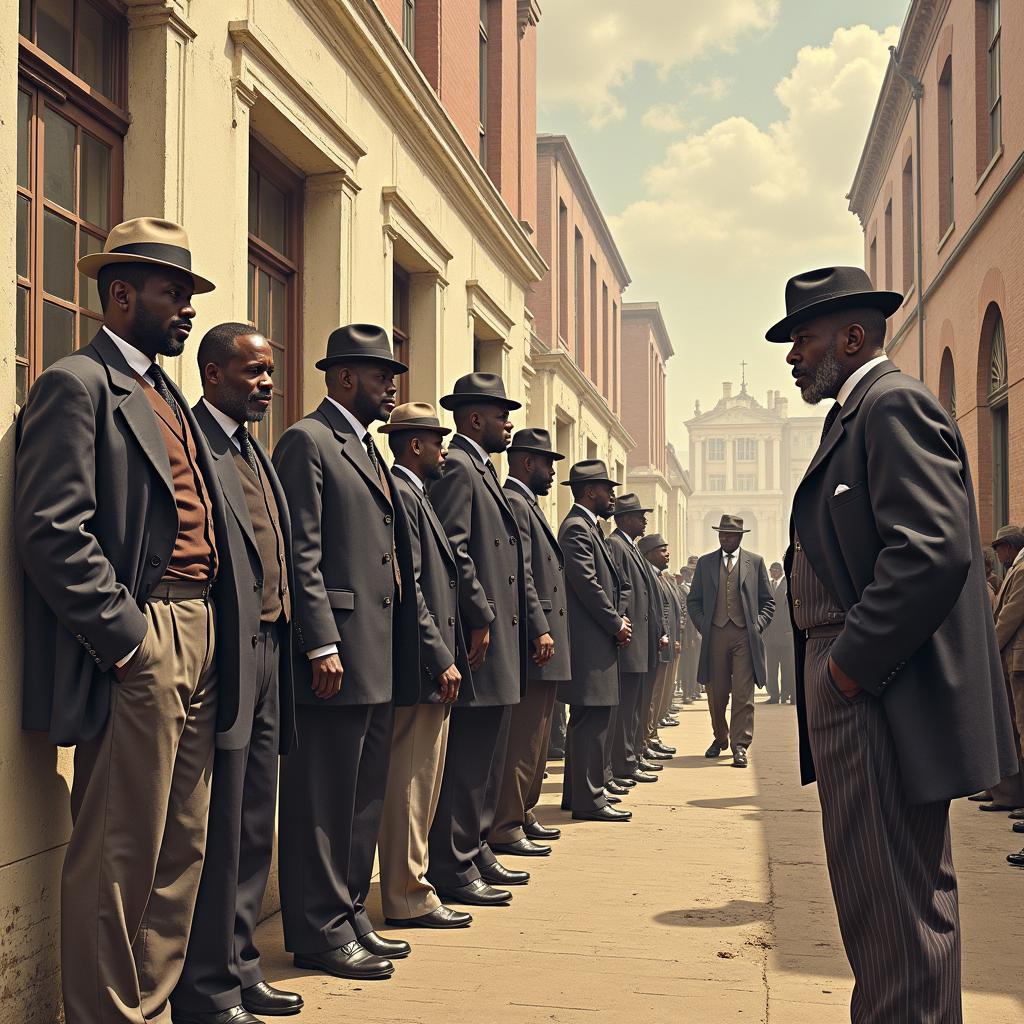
(371, 450)
(160, 383)
(245, 444)
(832, 416)
(728, 564)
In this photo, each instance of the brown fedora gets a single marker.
(413, 416)
(478, 387)
(357, 343)
(534, 439)
(149, 240)
(818, 292)
(730, 524)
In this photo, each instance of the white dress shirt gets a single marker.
(227, 423)
(519, 483)
(137, 360)
(590, 515)
(735, 554)
(856, 377)
(409, 475)
(477, 450)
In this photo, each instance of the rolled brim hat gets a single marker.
(476, 388)
(651, 542)
(360, 343)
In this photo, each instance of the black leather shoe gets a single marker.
(639, 776)
(233, 1015)
(556, 755)
(498, 874)
(1018, 826)
(616, 787)
(535, 830)
(393, 949)
(350, 961)
(714, 750)
(1016, 859)
(612, 798)
(521, 848)
(649, 766)
(663, 747)
(439, 917)
(996, 807)
(604, 814)
(653, 754)
(476, 894)
(267, 1001)
(668, 722)
(628, 783)
(981, 797)
(739, 757)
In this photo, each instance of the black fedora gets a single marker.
(534, 439)
(589, 471)
(817, 292)
(479, 387)
(651, 542)
(360, 343)
(626, 503)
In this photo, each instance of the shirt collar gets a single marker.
(361, 432)
(519, 483)
(409, 475)
(856, 377)
(586, 511)
(735, 553)
(137, 360)
(225, 422)
(625, 536)
(477, 450)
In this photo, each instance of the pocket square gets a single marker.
(840, 489)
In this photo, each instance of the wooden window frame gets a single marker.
(409, 25)
(484, 71)
(401, 326)
(994, 76)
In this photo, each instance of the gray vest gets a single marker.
(728, 606)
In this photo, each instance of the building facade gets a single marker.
(747, 459)
(679, 496)
(332, 163)
(577, 321)
(968, 56)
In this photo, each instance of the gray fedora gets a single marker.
(534, 439)
(626, 503)
(478, 387)
(730, 524)
(817, 292)
(356, 343)
(589, 471)
(651, 542)
(1008, 534)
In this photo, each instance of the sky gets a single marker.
(720, 139)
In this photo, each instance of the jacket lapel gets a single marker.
(490, 479)
(351, 446)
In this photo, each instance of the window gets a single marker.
(604, 332)
(908, 223)
(746, 482)
(577, 305)
(873, 262)
(946, 148)
(947, 383)
(563, 274)
(998, 393)
(400, 328)
(484, 66)
(613, 395)
(716, 482)
(989, 99)
(593, 323)
(887, 244)
(746, 449)
(69, 170)
(409, 25)
(274, 281)
(716, 449)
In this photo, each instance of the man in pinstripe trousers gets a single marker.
(899, 686)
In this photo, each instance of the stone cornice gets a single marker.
(527, 14)
(154, 13)
(651, 312)
(400, 217)
(483, 306)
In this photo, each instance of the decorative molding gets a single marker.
(527, 15)
(157, 13)
(651, 312)
(401, 220)
(482, 306)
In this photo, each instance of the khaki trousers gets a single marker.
(525, 759)
(139, 803)
(653, 712)
(732, 675)
(418, 748)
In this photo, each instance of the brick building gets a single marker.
(969, 57)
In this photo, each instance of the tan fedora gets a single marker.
(149, 240)
(414, 416)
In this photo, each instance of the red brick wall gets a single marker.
(392, 10)
(528, 126)
(540, 297)
(459, 62)
(637, 387)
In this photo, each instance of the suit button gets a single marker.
(451, 583)
(387, 520)
(257, 584)
(511, 540)
(497, 542)
(451, 620)
(511, 580)
(560, 569)
(561, 611)
(154, 560)
(554, 590)
(515, 620)
(255, 639)
(387, 602)
(385, 559)
(796, 602)
(798, 546)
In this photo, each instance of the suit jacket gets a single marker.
(442, 643)
(691, 638)
(676, 612)
(345, 531)
(595, 615)
(900, 550)
(1009, 616)
(237, 628)
(755, 595)
(484, 536)
(645, 607)
(545, 584)
(95, 522)
(780, 629)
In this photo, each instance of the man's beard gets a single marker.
(825, 379)
(367, 408)
(150, 330)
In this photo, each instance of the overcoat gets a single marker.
(242, 629)
(545, 584)
(95, 522)
(484, 537)
(1009, 616)
(596, 597)
(442, 643)
(345, 532)
(886, 517)
(780, 629)
(645, 609)
(758, 607)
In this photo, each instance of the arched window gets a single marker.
(998, 391)
(947, 383)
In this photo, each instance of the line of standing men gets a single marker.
(193, 609)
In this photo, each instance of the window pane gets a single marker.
(95, 190)
(25, 18)
(87, 328)
(273, 213)
(250, 296)
(54, 29)
(21, 383)
(276, 418)
(254, 184)
(59, 160)
(58, 333)
(24, 213)
(58, 256)
(278, 309)
(95, 48)
(24, 108)
(88, 293)
(21, 345)
(262, 319)
(280, 369)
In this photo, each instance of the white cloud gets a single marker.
(589, 48)
(665, 117)
(716, 88)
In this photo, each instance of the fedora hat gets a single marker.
(148, 240)
(817, 292)
(534, 439)
(358, 343)
(730, 524)
(626, 503)
(691, 562)
(478, 387)
(413, 416)
(651, 542)
(1007, 534)
(589, 471)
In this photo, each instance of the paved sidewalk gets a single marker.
(712, 905)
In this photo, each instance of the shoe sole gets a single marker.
(518, 853)
(264, 1012)
(311, 965)
(584, 817)
(419, 924)
(463, 902)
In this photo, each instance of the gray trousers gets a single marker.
(732, 675)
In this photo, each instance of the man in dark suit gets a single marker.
(484, 536)
(598, 629)
(531, 471)
(655, 549)
(357, 656)
(118, 518)
(778, 640)
(731, 604)
(900, 697)
(222, 973)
